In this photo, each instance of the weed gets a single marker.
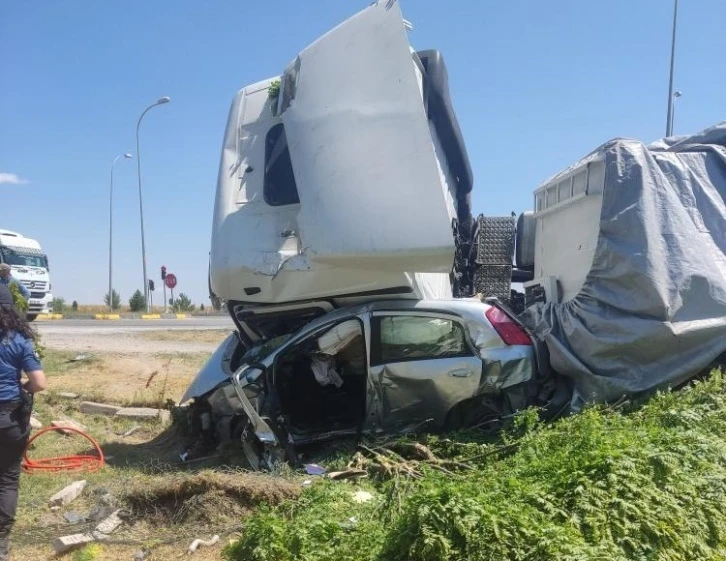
(645, 483)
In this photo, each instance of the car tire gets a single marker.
(31, 317)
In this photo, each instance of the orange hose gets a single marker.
(64, 463)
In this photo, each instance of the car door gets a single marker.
(422, 364)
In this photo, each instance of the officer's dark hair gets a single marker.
(11, 321)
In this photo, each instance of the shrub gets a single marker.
(58, 305)
(115, 301)
(648, 482)
(137, 302)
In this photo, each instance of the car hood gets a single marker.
(215, 371)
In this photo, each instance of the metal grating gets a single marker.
(495, 242)
(494, 281)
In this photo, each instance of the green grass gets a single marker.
(646, 483)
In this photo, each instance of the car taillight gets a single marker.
(510, 332)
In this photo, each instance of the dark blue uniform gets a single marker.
(17, 354)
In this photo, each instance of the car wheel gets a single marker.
(31, 317)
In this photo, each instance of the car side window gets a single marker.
(400, 338)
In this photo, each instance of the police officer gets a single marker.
(17, 355)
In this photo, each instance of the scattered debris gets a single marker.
(98, 513)
(107, 499)
(68, 395)
(68, 423)
(35, 424)
(109, 524)
(68, 494)
(74, 518)
(362, 496)
(307, 483)
(348, 474)
(314, 469)
(207, 543)
(55, 508)
(82, 356)
(131, 431)
(144, 413)
(91, 408)
(68, 543)
(141, 555)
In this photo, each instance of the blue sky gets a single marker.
(535, 84)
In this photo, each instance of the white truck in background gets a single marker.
(29, 265)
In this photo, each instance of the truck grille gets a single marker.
(37, 285)
(37, 295)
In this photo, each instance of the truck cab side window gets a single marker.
(280, 188)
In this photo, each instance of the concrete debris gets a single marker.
(68, 395)
(208, 543)
(35, 424)
(68, 494)
(144, 414)
(131, 431)
(141, 555)
(74, 517)
(109, 524)
(98, 513)
(91, 408)
(82, 356)
(68, 423)
(108, 499)
(68, 543)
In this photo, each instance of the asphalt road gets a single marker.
(116, 326)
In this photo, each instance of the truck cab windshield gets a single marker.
(21, 258)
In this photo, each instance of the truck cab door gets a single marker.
(370, 189)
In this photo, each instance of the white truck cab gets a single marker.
(345, 177)
(29, 265)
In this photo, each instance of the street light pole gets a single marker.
(669, 117)
(160, 101)
(110, 233)
(676, 95)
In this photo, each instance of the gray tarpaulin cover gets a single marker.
(652, 311)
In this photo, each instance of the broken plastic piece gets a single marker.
(314, 469)
(196, 543)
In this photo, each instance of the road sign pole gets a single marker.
(165, 300)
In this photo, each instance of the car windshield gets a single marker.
(21, 258)
(262, 351)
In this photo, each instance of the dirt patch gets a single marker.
(124, 379)
(137, 342)
(208, 497)
(199, 336)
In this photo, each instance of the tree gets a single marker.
(183, 304)
(201, 307)
(216, 303)
(137, 302)
(116, 304)
(74, 306)
(58, 305)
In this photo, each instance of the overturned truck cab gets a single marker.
(346, 176)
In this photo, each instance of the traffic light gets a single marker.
(163, 272)
(151, 285)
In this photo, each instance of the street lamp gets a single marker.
(669, 116)
(110, 233)
(160, 101)
(676, 95)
